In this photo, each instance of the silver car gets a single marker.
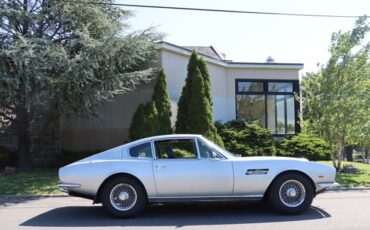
(178, 168)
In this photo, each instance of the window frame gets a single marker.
(266, 93)
(214, 150)
(263, 87)
(176, 138)
(140, 158)
(279, 81)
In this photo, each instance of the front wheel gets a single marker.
(123, 197)
(291, 193)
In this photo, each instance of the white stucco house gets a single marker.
(252, 91)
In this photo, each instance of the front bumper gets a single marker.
(65, 187)
(325, 185)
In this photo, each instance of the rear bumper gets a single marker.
(320, 187)
(70, 188)
(65, 187)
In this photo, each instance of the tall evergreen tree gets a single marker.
(182, 111)
(145, 122)
(194, 114)
(206, 78)
(200, 115)
(163, 104)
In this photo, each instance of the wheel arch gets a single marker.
(291, 171)
(97, 198)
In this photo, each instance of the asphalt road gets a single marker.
(331, 210)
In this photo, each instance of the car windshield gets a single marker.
(224, 152)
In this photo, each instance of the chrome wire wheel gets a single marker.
(292, 193)
(123, 197)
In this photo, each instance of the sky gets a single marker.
(252, 38)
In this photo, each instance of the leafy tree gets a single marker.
(359, 134)
(246, 139)
(335, 96)
(304, 145)
(64, 58)
(163, 104)
(145, 122)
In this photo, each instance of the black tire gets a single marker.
(129, 206)
(284, 201)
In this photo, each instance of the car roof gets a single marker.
(169, 136)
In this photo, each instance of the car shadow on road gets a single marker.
(170, 215)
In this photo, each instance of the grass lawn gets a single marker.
(32, 182)
(360, 179)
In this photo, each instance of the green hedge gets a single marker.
(304, 145)
(246, 139)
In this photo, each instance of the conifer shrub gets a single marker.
(182, 106)
(304, 146)
(246, 139)
(162, 104)
(154, 117)
(145, 122)
(195, 104)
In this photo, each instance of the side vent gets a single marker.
(257, 171)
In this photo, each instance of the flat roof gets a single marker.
(231, 64)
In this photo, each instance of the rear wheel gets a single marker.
(291, 193)
(123, 197)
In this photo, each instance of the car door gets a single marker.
(180, 171)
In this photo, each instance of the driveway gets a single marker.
(331, 210)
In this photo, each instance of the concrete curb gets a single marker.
(32, 196)
(348, 189)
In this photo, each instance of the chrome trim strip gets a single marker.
(257, 171)
(205, 198)
(197, 147)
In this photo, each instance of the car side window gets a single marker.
(206, 152)
(141, 151)
(176, 149)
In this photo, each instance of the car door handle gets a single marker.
(159, 167)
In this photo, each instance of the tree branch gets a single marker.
(56, 30)
(8, 107)
(26, 22)
(34, 5)
(7, 29)
(6, 116)
(20, 2)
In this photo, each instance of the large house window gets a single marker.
(269, 102)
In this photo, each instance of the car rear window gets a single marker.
(141, 151)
